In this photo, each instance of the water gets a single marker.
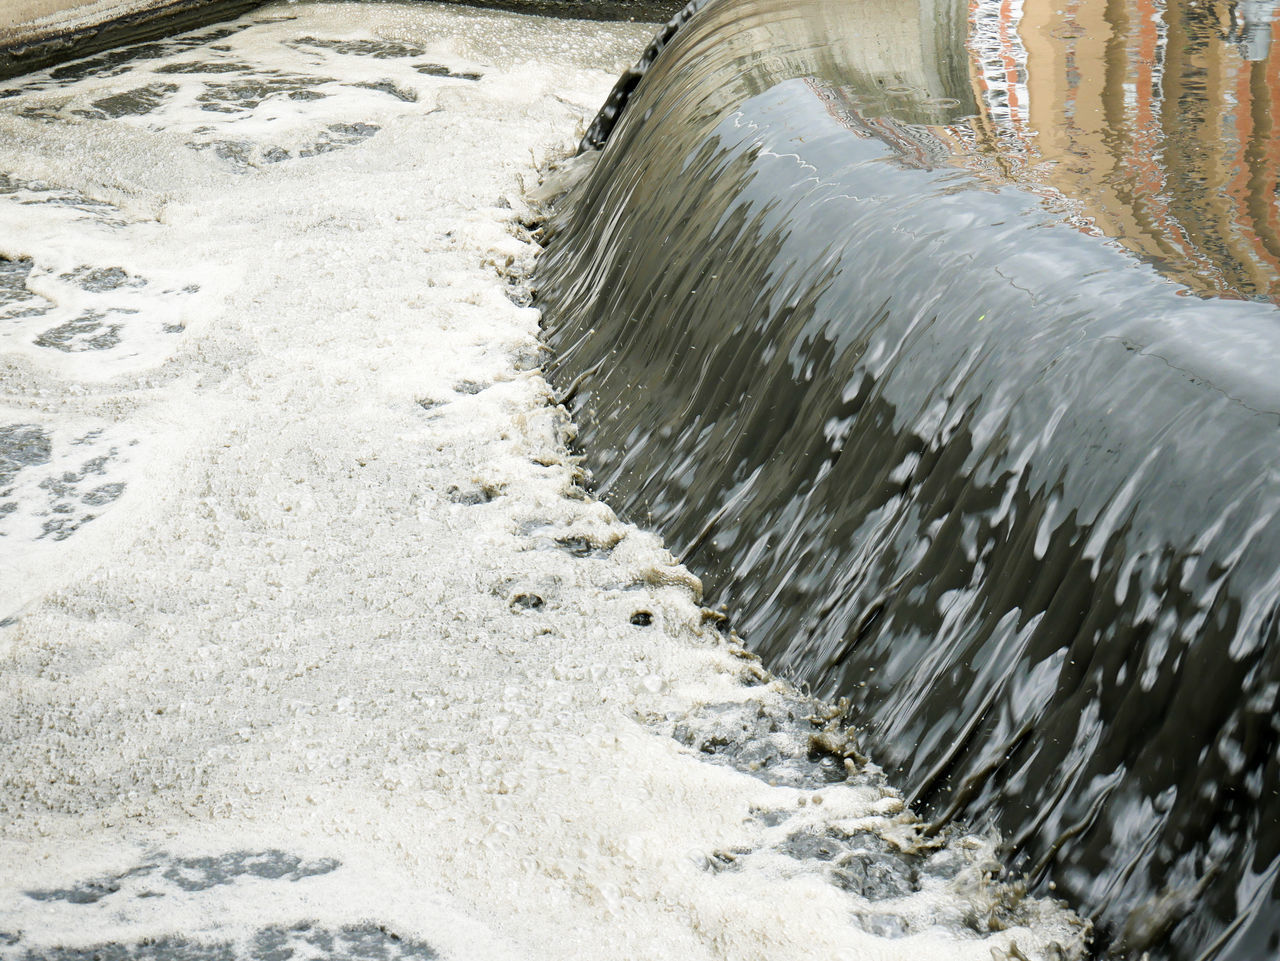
(40, 33)
(311, 641)
(940, 340)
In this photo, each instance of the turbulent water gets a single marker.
(312, 643)
(940, 339)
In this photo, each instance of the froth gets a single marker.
(356, 661)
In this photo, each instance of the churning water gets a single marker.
(941, 339)
(311, 642)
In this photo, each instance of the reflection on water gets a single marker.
(1251, 27)
(1154, 123)
(931, 332)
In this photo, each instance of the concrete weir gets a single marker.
(35, 34)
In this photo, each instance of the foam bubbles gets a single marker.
(350, 663)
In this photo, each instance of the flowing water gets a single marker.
(941, 340)
(311, 642)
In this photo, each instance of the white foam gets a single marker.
(329, 615)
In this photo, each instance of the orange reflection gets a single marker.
(1148, 121)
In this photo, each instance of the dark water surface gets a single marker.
(941, 339)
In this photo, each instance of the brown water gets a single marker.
(1152, 124)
